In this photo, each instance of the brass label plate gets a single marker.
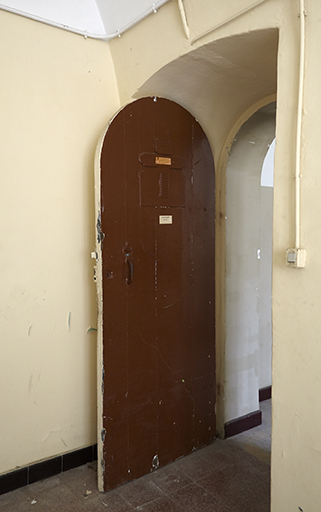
(162, 160)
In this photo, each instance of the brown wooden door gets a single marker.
(157, 226)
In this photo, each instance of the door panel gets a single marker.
(157, 217)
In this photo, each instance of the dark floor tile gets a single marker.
(140, 492)
(218, 445)
(111, 501)
(195, 466)
(223, 454)
(45, 469)
(220, 460)
(249, 500)
(164, 504)
(14, 501)
(13, 480)
(21, 506)
(44, 485)
(77, 458)
(194, 497)
(95, 452)
(170, 479)
(53, 500)
(81, 479)
(220, 506)
(223, 483)
(58, 499)
(238, 487)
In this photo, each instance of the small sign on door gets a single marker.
(166, 219)
(162, 160)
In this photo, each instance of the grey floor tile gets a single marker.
(194, 497)
(82, 479)
(140, 492)
(170, 479)
(161, 505)
(20, 495)
(195, 466)
(52, 500)
(110, 501)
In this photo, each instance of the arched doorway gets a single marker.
(249, 210)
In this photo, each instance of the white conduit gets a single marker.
(184, 19)
(102, 37)
(299, 127)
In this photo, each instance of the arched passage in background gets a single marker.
(249, 210)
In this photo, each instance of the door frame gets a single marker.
(220, 258)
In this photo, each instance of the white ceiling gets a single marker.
(101, 19)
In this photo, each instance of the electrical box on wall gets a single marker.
(296, 258)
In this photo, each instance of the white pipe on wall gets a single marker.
(184, 19)
(299, 127)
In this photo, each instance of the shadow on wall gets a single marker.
(220, 80)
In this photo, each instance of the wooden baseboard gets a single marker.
(265, 393)
(47, 468)
(234, 427)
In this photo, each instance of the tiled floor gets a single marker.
(223, 477)
(257, 440)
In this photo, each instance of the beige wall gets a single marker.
(58, 91)
(296, 461)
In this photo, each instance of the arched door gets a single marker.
(156, 241)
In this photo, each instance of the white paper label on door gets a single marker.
(166, 219)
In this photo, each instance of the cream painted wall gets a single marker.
(58, 91)
(53, 134)
(249, 207)
(296, 441)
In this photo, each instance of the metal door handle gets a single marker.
(130, 268)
